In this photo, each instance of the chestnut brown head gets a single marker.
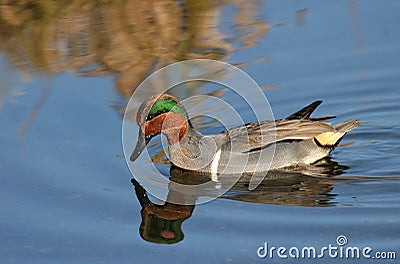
(160, 114)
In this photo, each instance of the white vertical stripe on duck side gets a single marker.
(214, 166)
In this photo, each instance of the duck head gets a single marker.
(160, 114)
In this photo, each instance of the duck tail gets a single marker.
(332, 139)
(347, 126)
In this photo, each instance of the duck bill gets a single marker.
(140, 145)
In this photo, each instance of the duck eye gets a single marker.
(149, 117)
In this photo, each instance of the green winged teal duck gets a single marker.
(254, 147)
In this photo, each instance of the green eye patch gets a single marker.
(165, 105)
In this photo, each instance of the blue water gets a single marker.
(66, 194)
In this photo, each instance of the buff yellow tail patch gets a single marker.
(329, 138)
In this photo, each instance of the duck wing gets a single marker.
(258, 135)
(305, 113)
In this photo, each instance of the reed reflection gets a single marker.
(128, 39)
(301, 186)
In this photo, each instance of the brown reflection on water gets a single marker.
(128, 39)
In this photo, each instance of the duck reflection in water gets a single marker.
(301, 186)
(161, 224)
